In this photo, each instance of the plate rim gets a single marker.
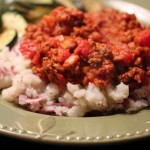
(6, 129)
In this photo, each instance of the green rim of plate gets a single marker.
(19, 123)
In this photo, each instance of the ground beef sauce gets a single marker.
(105, 47)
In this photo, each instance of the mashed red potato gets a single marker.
(74, 63)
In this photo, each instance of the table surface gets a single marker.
(12, 142)
(9, 141)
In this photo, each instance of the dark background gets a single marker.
(13, 143)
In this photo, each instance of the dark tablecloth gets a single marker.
(13, 142)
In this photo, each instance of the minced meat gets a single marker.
(105, 47)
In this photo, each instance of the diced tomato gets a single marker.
(63, 54)
(127, 58)
(144, 37)
(36, 58)
(84, 49)
(53, 42)
(29, 48)
(124, 55)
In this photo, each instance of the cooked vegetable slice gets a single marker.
(1, 25)
(8, 38)
(95, 6)
(12, 20)
(50, 3)
(33, 10)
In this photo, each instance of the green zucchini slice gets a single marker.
(1, 24)
(8, 38)
(12, 20)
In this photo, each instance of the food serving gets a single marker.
(75, 63)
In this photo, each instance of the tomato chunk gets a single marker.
(30, 50)
(144, 37)
(84, 49)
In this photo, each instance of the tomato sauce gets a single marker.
(105, 47)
